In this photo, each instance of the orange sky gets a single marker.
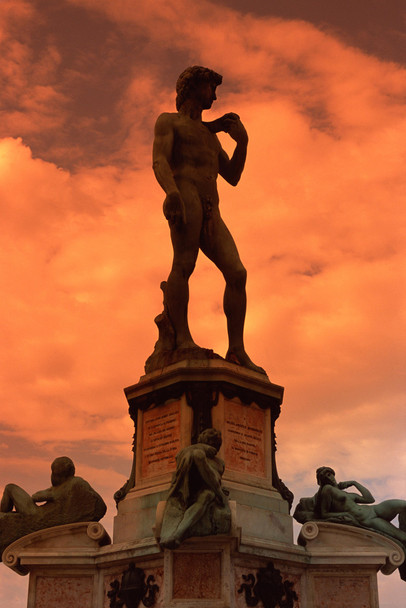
(318, 218)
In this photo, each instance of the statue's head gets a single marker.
(191, 79)
(62, 469)
(326, 476)
(210, 437)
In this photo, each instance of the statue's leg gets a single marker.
(382, 525)
(194, 513)
(14, 496)
(185, 241)
(386, 511)
(219, 246)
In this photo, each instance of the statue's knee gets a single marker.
(188, 269)
(238, 277)
(207, 496)
(184, 268)
(10, 487)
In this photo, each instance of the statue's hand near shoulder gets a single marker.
(235, 128)
(229, 123)
(343, 485)
(222, 123)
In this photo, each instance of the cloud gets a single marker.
(68, 277)
(30, 97)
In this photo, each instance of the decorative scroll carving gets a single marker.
(130, 483)
(269, 588)
(276, 480)
(133, 589)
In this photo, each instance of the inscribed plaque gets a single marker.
(244, 438)
(160, 439)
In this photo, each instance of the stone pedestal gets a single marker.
(256, 564)
(170, 408)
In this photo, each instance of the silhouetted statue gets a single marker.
(333, 503)
(196, 505)
(70, 499)
(187, 158)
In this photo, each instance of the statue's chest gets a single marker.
(195, 140)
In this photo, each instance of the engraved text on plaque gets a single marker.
(160, 439)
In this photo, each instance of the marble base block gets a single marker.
(334, 566)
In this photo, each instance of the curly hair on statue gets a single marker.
(190, 78)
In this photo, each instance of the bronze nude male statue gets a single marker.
(187, 158)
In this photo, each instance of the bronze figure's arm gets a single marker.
(366, 496)
(174, 207)
(231, 169)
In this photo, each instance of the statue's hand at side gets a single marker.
(174, 209)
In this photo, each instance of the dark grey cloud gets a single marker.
(377, 27)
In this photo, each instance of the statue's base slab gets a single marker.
(335, 566)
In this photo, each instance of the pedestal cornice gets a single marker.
(181, 378)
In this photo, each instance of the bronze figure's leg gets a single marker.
(386, 511)
(185, 242)
(219, 246)
(14, 496)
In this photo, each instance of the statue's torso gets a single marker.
(344, 502)
(195, 157)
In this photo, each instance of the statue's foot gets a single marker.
(240, 357)
(170, 543)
